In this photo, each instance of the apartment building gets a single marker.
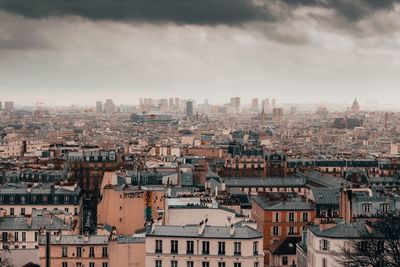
(24, 198)
(279, 216)
(204, 246)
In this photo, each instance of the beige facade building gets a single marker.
(204, 246)
(93, 251)
(125, 207)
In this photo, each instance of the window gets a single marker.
(189, 247)
(174, 246)
(257, 264)
(104, 252)
(91, 264)
(277, 217)
(291, 230)
(64, 251)
(237, 248)
(64, 264)
(255, 248)
(12, 211)
(22, 211)
(91, 252)
(284, 260)
(221, 248)
(23, 236)
(323, 213)
(158, 246)
(384, 207)
(206, 248)
(105, 264)
(291, 217)
(221, 264)
(367, 207)
(189, 264)
(305, 216)
(205, 264)
(174, 263)
(78, 252)
(324, 244)
(158, 263)
(275, 230)
(237, 264)
(16, 236)
(324, 262)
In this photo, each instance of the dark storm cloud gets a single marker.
(353, 10)
(209, 12)
(154, 11)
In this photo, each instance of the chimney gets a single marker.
(345, 204)
(86, 237)
(326, 224)
(232, 230)
(201, 227)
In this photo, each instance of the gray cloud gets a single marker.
(208, 12)
(200, 12)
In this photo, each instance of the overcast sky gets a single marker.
(76, 52)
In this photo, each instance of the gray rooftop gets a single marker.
(265, 182)
(191, 231)
(76, 240)
(341, 230)
(288, 204)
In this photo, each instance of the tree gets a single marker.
(378, 244)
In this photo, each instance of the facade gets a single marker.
(204, 246)
(279, 216)
(23, 198)
(189, 109)
(118, 203)
(324, 243)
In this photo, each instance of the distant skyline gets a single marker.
(295, 51)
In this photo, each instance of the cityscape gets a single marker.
(173, 182)
(200, 133)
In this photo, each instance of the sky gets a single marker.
(77, 52)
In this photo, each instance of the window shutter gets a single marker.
(320, 244)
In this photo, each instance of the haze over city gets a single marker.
(295, 51)
(199, 133)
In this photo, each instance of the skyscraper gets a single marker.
(235, 103)
(273, 103)
(254, 104)
(171, 105)
(99, 107)
(189, 108)
(8, 106)
(109, 106)
(266, 105)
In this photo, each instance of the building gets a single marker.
(279, 216)
(117, 203)
(189, 108)
(8, 106)
(109, 106)
(355, 107)
(99, 107)
(93, 250)
(324, 243)
(19, 234)
(277, 114)
(235, 103)
(254, 104)
(203, 245)
(23, 198)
